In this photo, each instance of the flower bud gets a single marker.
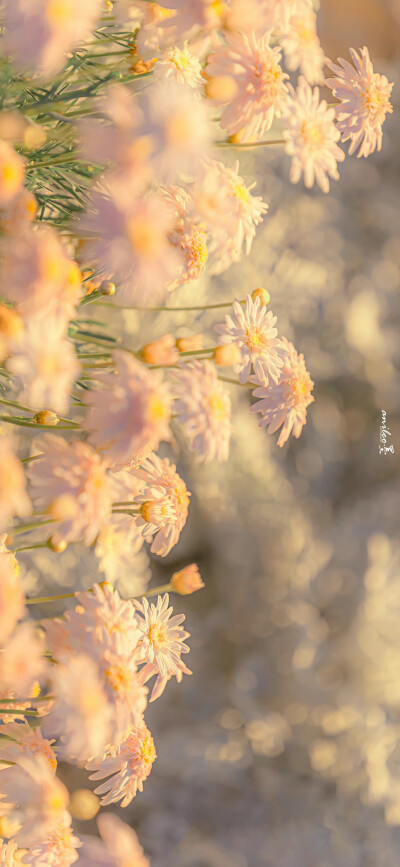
(63, 508)
(187, 581)
(226, 356)
(162, 351)
(189, 344)
(46, 416)
(263, 295)
(57, 547)
(84, 804)
(221, 87)
(107, 287)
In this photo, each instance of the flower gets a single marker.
(180, 65)
(120, 842)
(311, 137)
(39, 34)
(116, 545)
(161, 351)
(301, 44)
(194, 15)
(188, 236)
(17, 215)
(364, 102)
(261, 90)
(187, 580)
(33, 797)
(252, 330)
(12, 599)
(9, 854)
(12, 173)
(127, 767)
(161, 644)
(22, 663)
(70, 481)
(13, 497)
(57, 848)
(22, 740)
(45, 365)
(11, 330)
(188, 344)
(130, 416)
(203, 409)
(164, 503)
(285, 404)
(279, 12)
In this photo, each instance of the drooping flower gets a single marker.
(130, 415)
(69, 481)
(57, 848)
(311, 137)
(12, 173)
(301, 44)
(188, 236)
(120, 843)
(364, 102)
(162, 643)
(12, 599)
(13, 497)
(127, 767)
(164, 503)
(19, 739)
(203, 408)
(33, 797)
(180, 65)
(285, 404)
(252, 329)
(260, 83)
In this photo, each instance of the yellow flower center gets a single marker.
(143, 236)
(156, 635)
(241, 192)
(157, 410)
(147, 750)
(157, 512)
(179, 59)
(60, 12)
(179, 130)
(217, 406)
(119, 678)
(313, 135)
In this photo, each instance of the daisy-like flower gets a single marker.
(203, 408)
(9, 854)
(252, 330)
(33, 797)
(19, 739)
(12, 599)
(45, 365)
(127, 767)
(180, 65)
(13, 497)
(39, 34)
(80, 714)
(279, 12)
(162, 643)
(57, 848)
(130, 415)
(70, 482)
(119, 842)
(364, 102)
(164, 503)
(157, 27)
(260, 83)
(188, 236)
(117, 543)
(311, 137)
(12, 173)
(285, 404)
(131, 242)
(194, 16)
(22, 663)
(301, 44)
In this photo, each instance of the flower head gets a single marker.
(116, 546)
(311, 137)
(119, 841)
(285, 404)
(22, 663)
(301, 44)
(16, 216)
(127, 767)
(252, 330)
(187, 580)
(180, 65)
(364, 102)
(57, 848)
(33, 797)
(164, 503)
(19, 739)
(188, 236)
(203, 408)
(130, 415)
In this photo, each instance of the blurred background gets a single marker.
(283, 749)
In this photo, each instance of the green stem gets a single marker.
(27, 528)
(29, 547)
(171, 309)
(250, 144)
(198, 351)
(164, 588)
(21, 712)
(21, 422)
(40, 600)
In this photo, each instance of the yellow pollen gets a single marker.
(302, 386)
(179, 59)
(147, 750)
(181, 494)
(157, 411)
(217, 406)
(118, 678)
(155, 513)
(156, 635)
(255, 340)
(305, 33)
(56, 800)
(52, 267)
(218, 8)
(312, 134)
(60, 12)
(240, 192)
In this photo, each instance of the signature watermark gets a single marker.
(384, 433)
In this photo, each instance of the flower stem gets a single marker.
(164, 588)
(34, 525)
(39, 600)
(250, 144)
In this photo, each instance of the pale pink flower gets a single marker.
(13, 497)
(194, 16)
(120, 846)
(38, 276)
(157, 27)
(260, 83)
(40, 33)
(252, 330)
(127, 767)
(180, 65)
(80, 713)
(188, 580)
(203, 408)
(116, 545)
(279, 12)
(9, 854)
(12, 599)
(45, 365)
(162, 643)
(12, 173)
(19, 739)
(57, 848)
(22, 663)
(16, 216)
(130, 415)
(33, 797)
(311, 137)
(364, 102)
(301, 44)
(70, 481)
(130, 242)
(188, 236)
(245, 16)
(164, 503)
(285, 404)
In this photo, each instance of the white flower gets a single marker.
(120, 843)
(116, 545)
(253, 331)
(301, 44)
(12, 599)
(13, 497)
(164, 503)
(19, 739)
(57, 848)
(180, 65)
(203, 410)
(162, 643)
(22, 663)
(33, 797)
(127, 767)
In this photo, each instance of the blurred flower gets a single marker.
(17, 215)
(130, 416)
(157, 28)
(162, 643)
(39, 34)
(187, 580)
(74, 471)
(188, 344)
(226, 356)
(364, 102)
(164, 503)
(22, 663)
(13, 497)
(8, 854)
(12, 599)
(120, 843)
(192, 16)
(12, 173)
(301, 44)
(285, 403)
(252, 330)
(161, 351)
(203, 410)
(117, 543)
(127, 767)
(188, 236)
(311, 137)
(11, 330)
(180, 65)
(19, 739)
(34, 797)
(261, 89)
(57, 849)
(279, 12)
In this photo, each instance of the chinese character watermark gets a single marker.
(384, 432)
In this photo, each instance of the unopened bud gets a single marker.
(63, 508)
(189, 344)
(222, 88)
(109, 6)
(84, 804)
(162, 351)
(46, 416)
(187, 581)
(226, 356)
(57, 547)
(107, 287)
(263, 295)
